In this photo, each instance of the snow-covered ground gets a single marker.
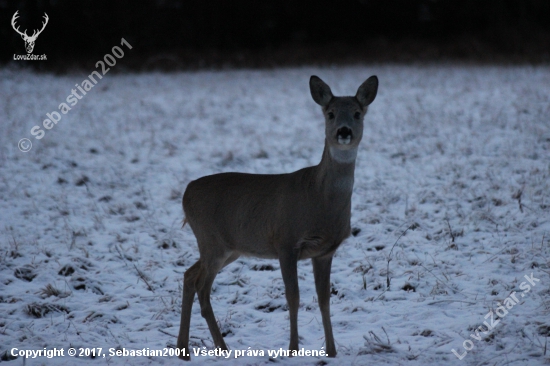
(452, 189)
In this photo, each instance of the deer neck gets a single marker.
(335, 172)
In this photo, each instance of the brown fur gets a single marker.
(300, 215)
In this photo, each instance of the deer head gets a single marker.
(29, 41)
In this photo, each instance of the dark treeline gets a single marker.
(248, 32)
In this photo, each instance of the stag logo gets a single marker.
(29, 40)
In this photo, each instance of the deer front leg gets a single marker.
(289, 270)
(321, 272)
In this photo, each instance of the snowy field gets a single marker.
(452, 195)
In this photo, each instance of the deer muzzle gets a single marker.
(344, 135)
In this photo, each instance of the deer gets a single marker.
(290, 217)
(29, 41)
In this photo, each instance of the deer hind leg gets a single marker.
(321, 272)
(209, 269)
(189, 288)
(189, 280)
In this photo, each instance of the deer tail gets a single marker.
(183, 222)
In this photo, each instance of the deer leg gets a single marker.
(189, 279)
(289, 270)
(232, 258)
(209, 270)
(321, 272)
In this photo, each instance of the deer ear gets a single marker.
(367, 91)
(320, 91)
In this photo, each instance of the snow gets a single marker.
(452, 188)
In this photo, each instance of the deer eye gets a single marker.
(357, 115)
(330, 115)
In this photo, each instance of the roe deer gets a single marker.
(300, 215)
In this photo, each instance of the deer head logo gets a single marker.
(29, 41)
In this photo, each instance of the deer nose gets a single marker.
(344, 135)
